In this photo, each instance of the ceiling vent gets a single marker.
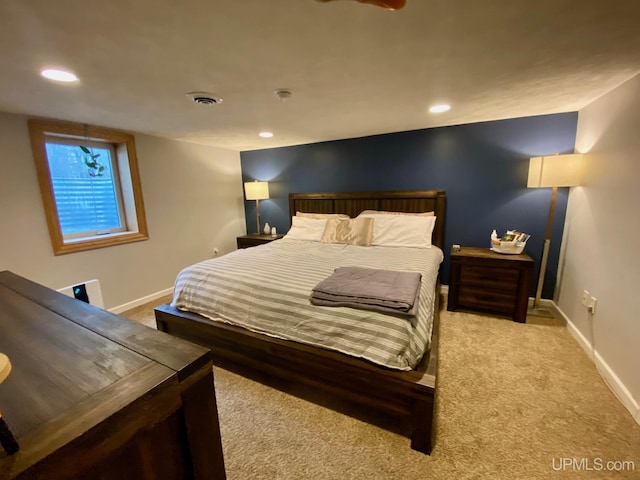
(204, 98)
(283, 94)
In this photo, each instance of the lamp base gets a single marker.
(540, 312)
(7, 440)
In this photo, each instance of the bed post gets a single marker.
(422, 419)
(423, 412)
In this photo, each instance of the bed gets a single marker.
(407, 393)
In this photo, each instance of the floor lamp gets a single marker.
(256, 191)
(553, 171)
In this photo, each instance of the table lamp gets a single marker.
(256, 191)
(7, 440)
(552, 171)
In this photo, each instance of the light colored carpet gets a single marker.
(513, 401)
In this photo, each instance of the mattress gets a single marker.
(266, 289)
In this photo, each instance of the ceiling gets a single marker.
(354, 69)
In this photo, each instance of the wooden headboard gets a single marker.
(411, 201)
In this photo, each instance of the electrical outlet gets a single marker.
(591, 305)
(585, 298)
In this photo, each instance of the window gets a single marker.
(90, 185)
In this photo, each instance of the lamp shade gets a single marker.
(5, 367)
(256, 190)
(555, 171)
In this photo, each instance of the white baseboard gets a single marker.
(544, 302)
(141, 301)
(611, 379)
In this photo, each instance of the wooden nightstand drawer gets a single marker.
(485, 299)
(497, 278)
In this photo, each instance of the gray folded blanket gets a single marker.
(370, 289)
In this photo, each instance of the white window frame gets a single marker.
(116, 181)
(126, 176)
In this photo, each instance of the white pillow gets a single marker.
(304, 228)
(382, 212)
(322, 215)
(401, 230)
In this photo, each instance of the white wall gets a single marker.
(601, 240)
(193, 201)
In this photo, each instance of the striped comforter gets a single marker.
(266, 289)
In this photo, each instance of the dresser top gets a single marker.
(476, 252)
(75, 365)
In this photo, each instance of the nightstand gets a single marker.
(484, 281)
(253, 239)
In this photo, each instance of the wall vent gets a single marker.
(89, 292)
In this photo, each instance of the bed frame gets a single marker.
(409, 395)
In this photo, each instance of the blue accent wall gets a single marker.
(482, 166)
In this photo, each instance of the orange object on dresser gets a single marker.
(388, 4)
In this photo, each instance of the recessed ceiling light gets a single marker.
(58, 75)
(440, 108)
(266, 134)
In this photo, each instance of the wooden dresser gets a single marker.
(484, 281)
(92, 395)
